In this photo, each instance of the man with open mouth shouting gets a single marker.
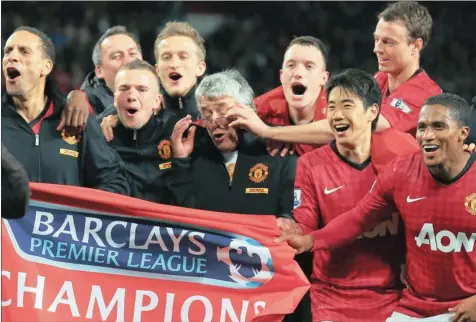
(301, 98)
(31, 109)
(141, 138)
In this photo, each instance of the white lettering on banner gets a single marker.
(381, 229)
(144, 301)
(454, 243)
(92, 226)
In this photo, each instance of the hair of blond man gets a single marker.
(414, 16)
(177, 28)
(138, 64)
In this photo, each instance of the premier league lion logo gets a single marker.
(249, 262)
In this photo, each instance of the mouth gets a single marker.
(175, 76)
(218, 136)
(298, 89)
(341, 128)
(12, 73)
(430, 148)
(131, 111)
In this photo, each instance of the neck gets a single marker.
(31, 104)
(302, 115)
(398, 78)
(359, 151)
(451, 168)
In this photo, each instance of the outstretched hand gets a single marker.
(182, 146)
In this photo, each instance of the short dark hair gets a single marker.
(116, 30)
(458, 107)
(46, 44)
(359, 83)
(313, 42)
(138, 64)
(414, 16)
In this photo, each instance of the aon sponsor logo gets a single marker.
(389, 227)
(445, 241)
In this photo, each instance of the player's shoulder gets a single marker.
(403, 165)
(317, 157)
(276, 93)
(424, 82)
(381, 78)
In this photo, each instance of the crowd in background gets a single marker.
(253, 37)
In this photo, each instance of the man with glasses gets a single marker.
(218, 168)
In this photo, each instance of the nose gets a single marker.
(174, 60)
(13, 55)
(429, 134)
(298, 71)
(336, 114)
(377, 47)
(132, 95)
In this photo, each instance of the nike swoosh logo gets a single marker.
(326, 191)
(410, 200)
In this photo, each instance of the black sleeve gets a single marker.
(15, 187)
(103, 168)
(472, 128)
(286, 186)
(179, 183)
(110, 110)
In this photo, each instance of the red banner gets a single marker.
(81, 254)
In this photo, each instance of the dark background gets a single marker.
(254, 35)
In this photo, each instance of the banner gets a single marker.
(87, 255)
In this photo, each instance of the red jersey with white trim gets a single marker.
(402, 107)
(357, 282)
(440, 222)
(273, 108)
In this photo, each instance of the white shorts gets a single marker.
(399, 317)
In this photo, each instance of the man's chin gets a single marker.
(177, 91)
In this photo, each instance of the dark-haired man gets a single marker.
(31, 109)
(434, 191)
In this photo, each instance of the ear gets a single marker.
(158, 104)
(417, 46)
(372, 112)
(99, 73)
(47, 67)
(115, 99)
(463, 134)
(281, 75)
(202, 67)
(157, 69)
(325, 78)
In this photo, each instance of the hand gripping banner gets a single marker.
(87, 255)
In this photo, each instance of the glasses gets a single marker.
(221, 121)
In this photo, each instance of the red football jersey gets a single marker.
(357, 282)
(273, 108)
(440, 228)
(402, 107)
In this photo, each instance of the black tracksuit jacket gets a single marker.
(99, 95)
(147, 155)
(50, 156)
(262, 184)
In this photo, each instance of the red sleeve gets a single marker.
(374, 208)
(305, 211)
(403, 116)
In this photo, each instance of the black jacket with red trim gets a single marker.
(50, 156)
(99, 95)
(261, 185)
(147, 155)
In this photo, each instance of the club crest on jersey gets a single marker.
(258, 173)
(70, 139)
(165, 151)
(400, 104)
(470, 204)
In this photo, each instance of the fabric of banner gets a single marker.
(82, 254)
